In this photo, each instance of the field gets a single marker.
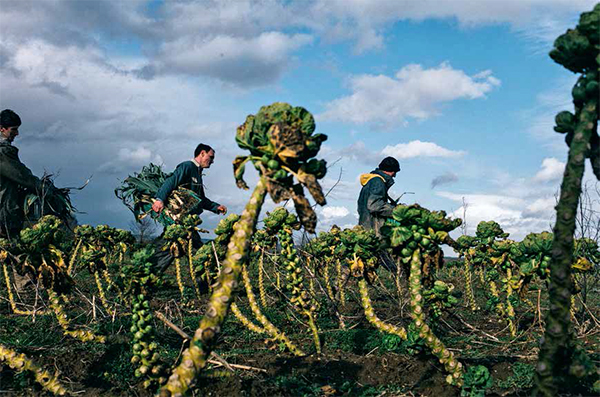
(357, 360)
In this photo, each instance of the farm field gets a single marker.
(356, 358)
(274, 306)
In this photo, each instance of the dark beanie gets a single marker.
(389, 164)
(8, 118)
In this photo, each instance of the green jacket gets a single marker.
(15, 180)
(189, 176)
(373, 202)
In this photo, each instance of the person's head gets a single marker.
(204, 155)
(390, 166)
(9, 124)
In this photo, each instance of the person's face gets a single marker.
(205, 159)
(9, 132)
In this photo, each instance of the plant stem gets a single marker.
(195, 356)
(555, 355)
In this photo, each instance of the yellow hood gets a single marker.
(364, 178)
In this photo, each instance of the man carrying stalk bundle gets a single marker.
(15, 178)
(374, 203)
(188, 174)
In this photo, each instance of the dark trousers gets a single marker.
(163, 259)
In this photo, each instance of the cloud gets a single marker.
(419, 149)
(444, 179)
(537, 21)
(204, 38)
(128, 159)
(413, 92)
(552, 170)
(334, 212)
(514, 214)
(244, 61)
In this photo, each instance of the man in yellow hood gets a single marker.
(374, 203)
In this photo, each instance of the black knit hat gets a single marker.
(389, 164)
(8, 118)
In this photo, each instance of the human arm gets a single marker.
(377, 202)
(12, 168)
(170, 184)
(212, 206)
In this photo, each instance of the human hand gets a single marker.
(222, 209)
(157, 206)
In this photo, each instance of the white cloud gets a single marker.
(552, 169)
(256, 60)
(513, 214)
(539, 21)
(413, 92)
(334, 212)
(419, 149)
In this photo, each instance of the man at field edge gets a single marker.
(15, 177)
(374, 203)
(188, 174)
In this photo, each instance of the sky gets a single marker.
(461, 92)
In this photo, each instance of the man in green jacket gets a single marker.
(188, 175)
(15, 178)
(374, 203)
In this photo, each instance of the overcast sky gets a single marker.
(461, 92)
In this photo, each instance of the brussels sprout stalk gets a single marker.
(372, 317)
(20, 362)
(445, 356)
(195, 356)
(576, 50)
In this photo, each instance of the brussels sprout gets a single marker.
(592, 89)
(280, 174)
(273, 164)
(565, 122)
(579, 94)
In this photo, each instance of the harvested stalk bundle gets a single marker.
(138, 192)
(50, 200)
